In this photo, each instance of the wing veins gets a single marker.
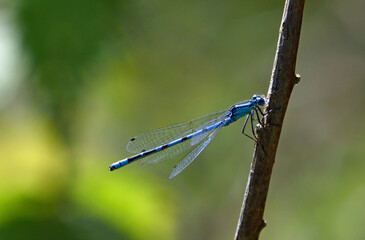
(165, 135)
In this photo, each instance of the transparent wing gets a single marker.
(193, 154)
(171, 152)
(165, 135)
(197, 139)
(166, 154)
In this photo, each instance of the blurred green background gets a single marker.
(79, 78)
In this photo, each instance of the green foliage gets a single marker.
(62, 39)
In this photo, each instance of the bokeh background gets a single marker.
(79, 78)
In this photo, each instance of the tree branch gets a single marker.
(282, 81)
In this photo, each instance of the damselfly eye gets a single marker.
(261, 102)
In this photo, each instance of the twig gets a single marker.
(282, 82)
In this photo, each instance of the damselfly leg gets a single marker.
(254, 111)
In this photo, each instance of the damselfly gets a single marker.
(166, 143)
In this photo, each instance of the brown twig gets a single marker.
(282, 82)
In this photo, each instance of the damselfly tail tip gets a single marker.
(111, 168)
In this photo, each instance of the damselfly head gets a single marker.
(260, 100)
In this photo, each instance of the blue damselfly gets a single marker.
(166, 143)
